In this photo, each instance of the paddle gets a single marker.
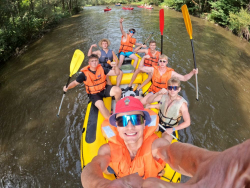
(148, 38)
(189, 30)
(161, 14)
(170, 134)
(75, 64)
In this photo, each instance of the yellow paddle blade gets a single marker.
(187, 20)
(76, 62)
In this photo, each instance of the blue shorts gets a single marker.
(126, 54)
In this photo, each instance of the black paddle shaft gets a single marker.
(67, 85)
(161, 43)
(192, 44)
(141, 46)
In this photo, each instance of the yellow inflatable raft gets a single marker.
(92, 137)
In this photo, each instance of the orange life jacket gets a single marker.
(94, 82)
(144, 164)
(128, 45)
(153, 60)
(160, 81)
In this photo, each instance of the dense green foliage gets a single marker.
(233, 14)
(22, 21)
(239, 23)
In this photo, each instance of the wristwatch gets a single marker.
(173, 129)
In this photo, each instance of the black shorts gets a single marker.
(100, 95)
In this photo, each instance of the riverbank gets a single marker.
(237, 22)
(19, 31)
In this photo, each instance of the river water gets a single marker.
(37, 149)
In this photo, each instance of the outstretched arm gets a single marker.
(185, 77)
(71, 85)
(121, 28)
(157, 96)
(230, 168)
(147, 69)
(143, 68)
(138, 44)
(98, 52)
(139, 50)
(92, 174)
(185, 158)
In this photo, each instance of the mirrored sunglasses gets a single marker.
(163, 61)
(173, 87)
(135, 119)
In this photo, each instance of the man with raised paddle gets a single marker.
(94, 78)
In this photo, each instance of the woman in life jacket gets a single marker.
(171, 108)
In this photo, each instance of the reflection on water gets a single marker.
(37, 149)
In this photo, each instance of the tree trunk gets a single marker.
(32, 6)
(63, 5)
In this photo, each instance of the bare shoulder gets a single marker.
(184, 106)
(104, 150)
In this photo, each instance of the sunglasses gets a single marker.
(163, 61)
(135, 119)
(173, 87)
(132, 32)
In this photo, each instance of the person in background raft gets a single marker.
(148, 62)
(129, 128)
(161, 75)
(94, 78)
(106, 56)
(171, 107)
(127, 44)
